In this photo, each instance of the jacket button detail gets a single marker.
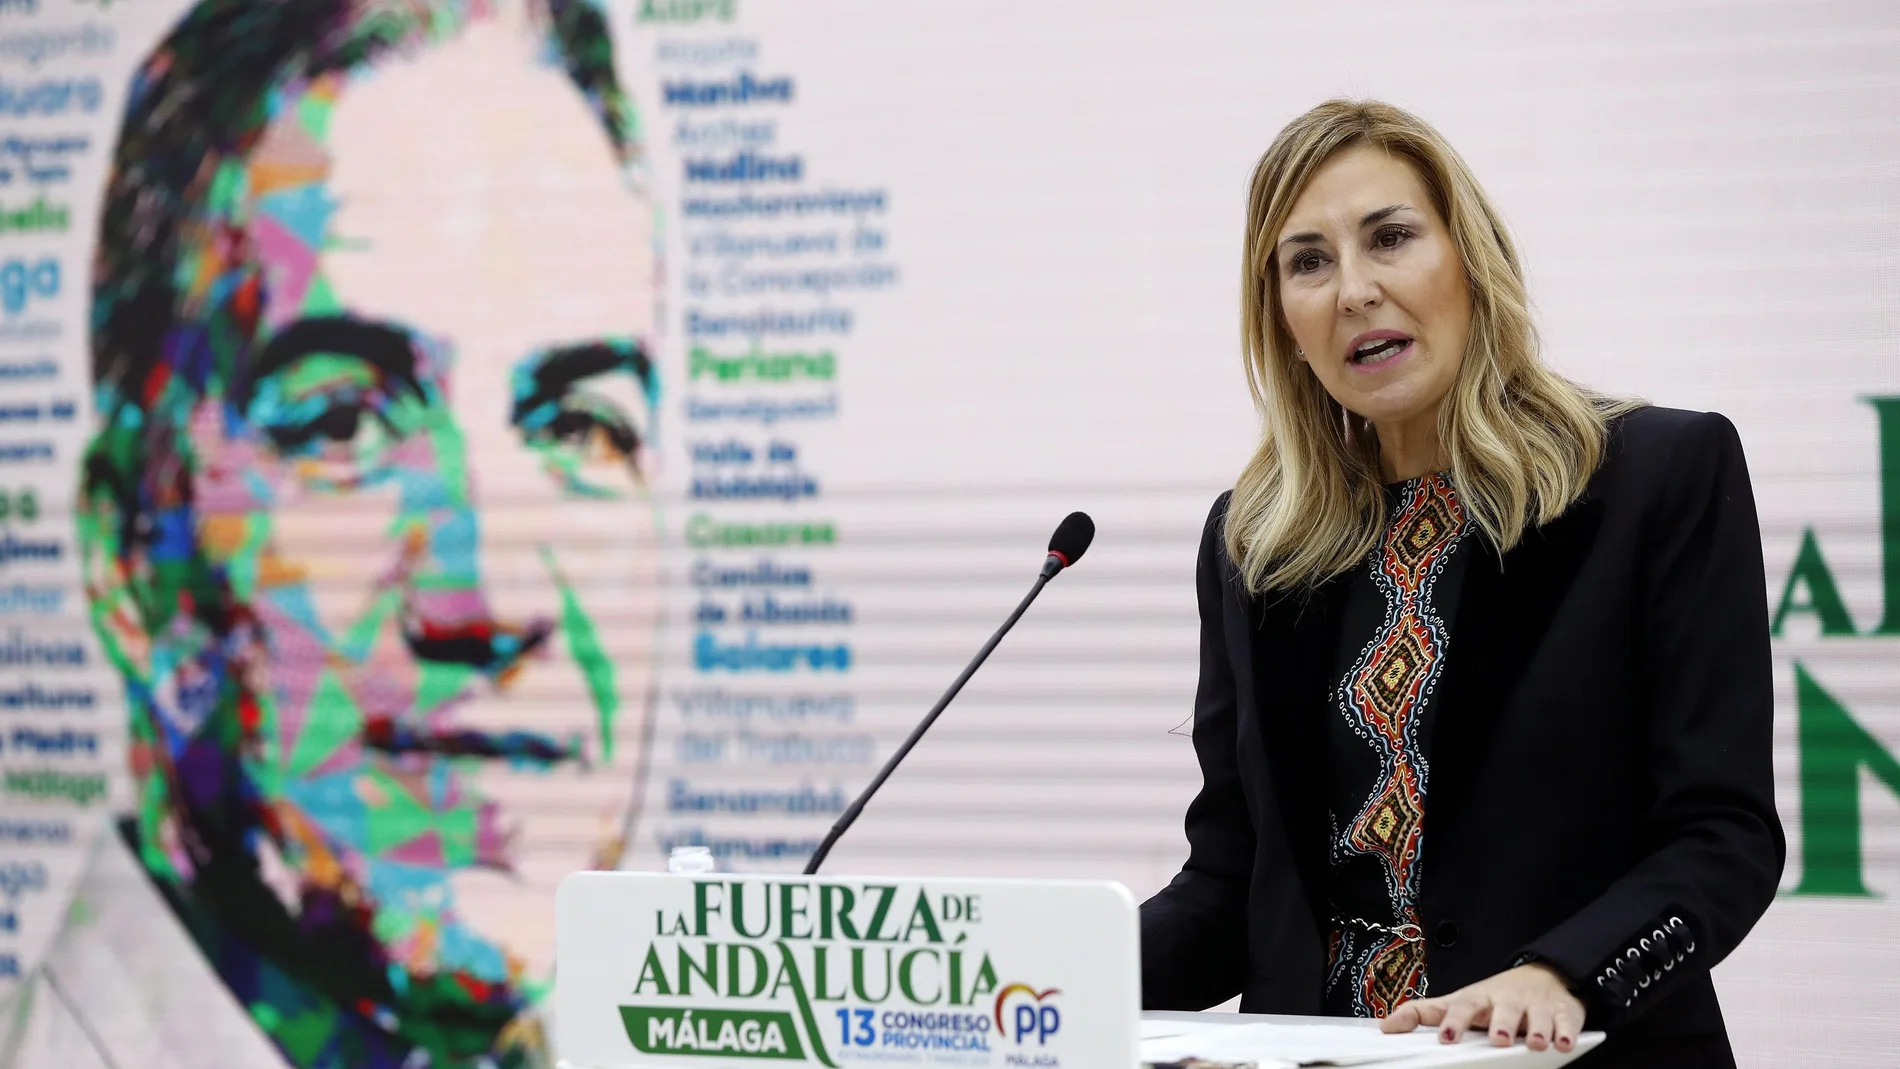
(1445, 934)
(1655, 954)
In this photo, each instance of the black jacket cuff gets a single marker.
(1635, 975)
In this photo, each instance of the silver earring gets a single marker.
(1299, 352)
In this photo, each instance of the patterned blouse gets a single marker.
(1392, 653)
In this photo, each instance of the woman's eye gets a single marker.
(1304, 262)
(1391, 237)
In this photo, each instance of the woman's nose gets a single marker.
(1359, 291)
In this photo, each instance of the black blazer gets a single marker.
(1601, 791)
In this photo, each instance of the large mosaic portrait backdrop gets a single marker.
(363, 524)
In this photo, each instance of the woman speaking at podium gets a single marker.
(1484, 707)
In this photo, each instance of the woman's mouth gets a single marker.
(1375, 351)
(521, 748)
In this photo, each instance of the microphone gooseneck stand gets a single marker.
(1055, 563)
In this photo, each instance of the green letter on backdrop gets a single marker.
(1833, 750)
(1888, 411)
(1824, 597)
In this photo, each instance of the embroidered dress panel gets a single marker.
(1402, 601)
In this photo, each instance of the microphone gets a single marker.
(1066, 546)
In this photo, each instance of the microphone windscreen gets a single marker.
(1072, 537)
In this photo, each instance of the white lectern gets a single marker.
(717, 970)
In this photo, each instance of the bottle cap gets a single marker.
(691, 859)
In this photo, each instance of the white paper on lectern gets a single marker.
(1291, 1043)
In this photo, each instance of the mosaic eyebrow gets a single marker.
(387, 348)
(553, 376)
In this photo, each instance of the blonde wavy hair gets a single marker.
(1523, 440)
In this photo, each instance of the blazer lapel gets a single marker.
(1294, 650)
(1505, 607)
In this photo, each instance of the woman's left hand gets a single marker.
(1531, 1000)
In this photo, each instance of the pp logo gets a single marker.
(1030, 1015)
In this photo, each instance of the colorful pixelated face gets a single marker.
(430, 495)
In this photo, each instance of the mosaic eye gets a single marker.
(340, 423)
(336, 393)
(328, 425)
(593, 425)
(584, 410)
(587, 444)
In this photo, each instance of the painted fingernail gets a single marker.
(1537, 1036)
(1448, 1035)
